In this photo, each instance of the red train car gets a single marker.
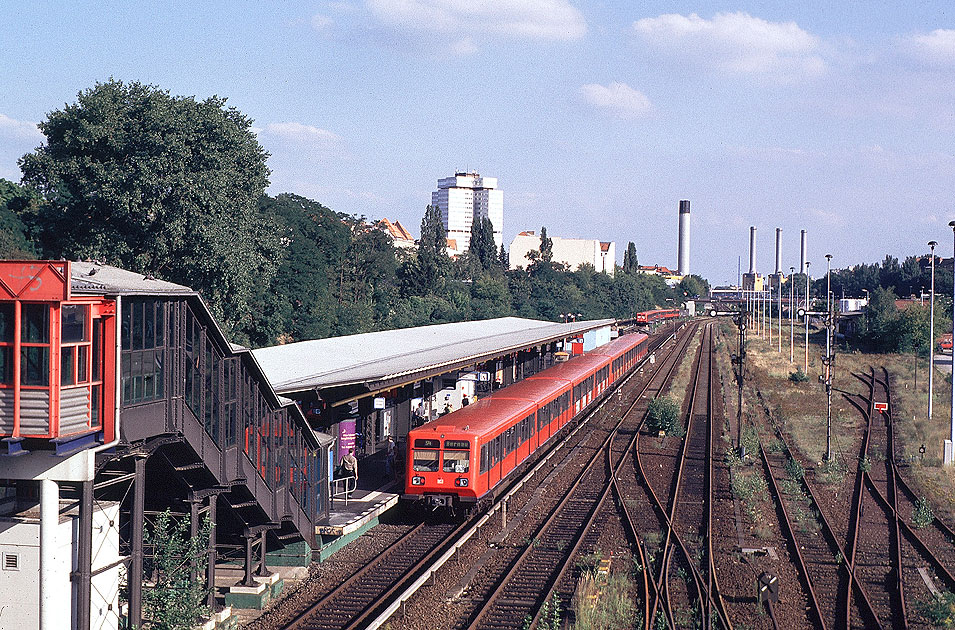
(464, 456)
(656, 315)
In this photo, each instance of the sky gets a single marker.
(835, 117)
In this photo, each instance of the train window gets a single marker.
(497, 449)
(425, 460)
(456, 461)
(484, 460)
(456, 444)
(427, 444)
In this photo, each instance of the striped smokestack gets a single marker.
(683, 247)
(779, 232)
(752, 249)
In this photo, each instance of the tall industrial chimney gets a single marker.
(752, 249)
(683, 251)
(779, 232)
(802, 251)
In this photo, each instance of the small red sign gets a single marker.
(881, 406)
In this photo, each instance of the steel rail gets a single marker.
(502, 582)
(704, 596)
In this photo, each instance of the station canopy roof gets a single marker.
(381, 360)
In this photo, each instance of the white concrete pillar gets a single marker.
(49, 523)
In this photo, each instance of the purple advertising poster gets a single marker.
(346, 437)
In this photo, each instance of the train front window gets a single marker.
(456, 461)
(425, 460)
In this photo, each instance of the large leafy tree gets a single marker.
(15, 202)
(161, 184)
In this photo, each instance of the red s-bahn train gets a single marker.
(462, 457)
(660, 314)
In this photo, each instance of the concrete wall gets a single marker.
(20, 587)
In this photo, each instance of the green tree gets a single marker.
(504, 259)
(175, 601)
(630, 263)
(694, 286)
(881, 321)
(427, 273)
(365, 288)
(482, 253)
(302, 299)
(547, 247)
(158, 184)
(15, 202)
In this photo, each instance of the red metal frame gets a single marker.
(48, 283)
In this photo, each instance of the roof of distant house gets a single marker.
(396, 230)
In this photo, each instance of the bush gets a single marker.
(940, 611)
(795, 470)
(798, 376)
(663, 414)
(923, 515)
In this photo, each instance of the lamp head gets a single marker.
(828, 256)
(951, 224)
(932, 244)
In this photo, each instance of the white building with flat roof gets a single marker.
(465, 198)
(573, 252)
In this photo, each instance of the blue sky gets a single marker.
(597, 117)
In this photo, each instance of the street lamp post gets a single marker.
(931, 336)
(792, 281)
(828, 362)
(806, 368)
(779, 312)
(769, 309)
(949, 452)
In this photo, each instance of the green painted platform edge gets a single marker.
(297, 554)
(249, 600)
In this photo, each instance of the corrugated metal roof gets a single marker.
(390, 354)
(91, 277)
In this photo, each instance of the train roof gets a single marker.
(575, 369)
(479, 417)
(619, 345)
(540, 387)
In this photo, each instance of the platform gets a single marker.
(376, 494)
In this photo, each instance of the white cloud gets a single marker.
(936, 48)
(619, 99)
(321, 22)
(19, 129)
(461, 20)
(297, 132)
(736, 43)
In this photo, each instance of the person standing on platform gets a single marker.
(465, 401)
(349, 465)
(390, 460)
(420, 417)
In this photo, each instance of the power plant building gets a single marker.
(572, 252)
(463, 200)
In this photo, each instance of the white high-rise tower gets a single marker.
(465, 198)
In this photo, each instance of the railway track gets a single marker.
(873, 577)
(522, 590)
(371, 595)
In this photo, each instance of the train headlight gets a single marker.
(461, 482)
(417, 481)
